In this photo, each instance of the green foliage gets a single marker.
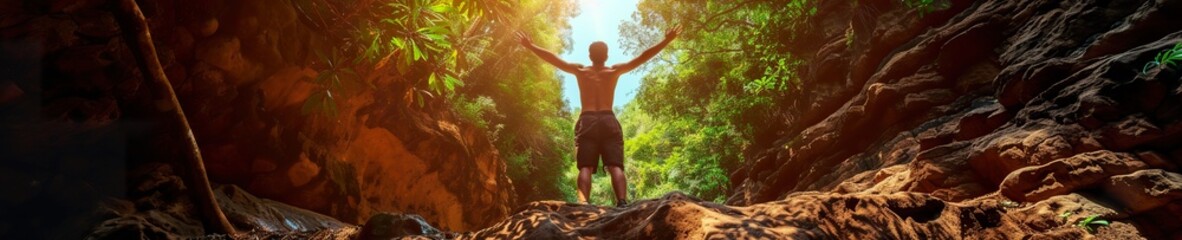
(1087, 223)
(476, 111)
(924, 7)
(676, 155)
(602, 192)
(431, 43)
(1166, 58)
(705, 96)
(456, 54)
(424, 38)
(528, 121)
(335, 78)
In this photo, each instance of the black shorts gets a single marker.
(598, 134)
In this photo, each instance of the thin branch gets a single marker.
(136, 27)
(729, 10)
(730, 21)
(708, 27)
(696, 52)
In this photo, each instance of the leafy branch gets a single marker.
(332, 79)
(1166, 58)
(924, 7)
(431, 44)
(425, 34)
(1087, 223)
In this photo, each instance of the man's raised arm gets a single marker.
(650, 52)
(546, 55)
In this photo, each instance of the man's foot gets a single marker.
(620, 203)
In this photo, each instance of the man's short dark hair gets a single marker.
(598, 52)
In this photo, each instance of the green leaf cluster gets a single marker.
(428, 39)
(923, 7)
(458, 55)
(430, 43)
(1087, 223)
(334, 78)
(1166, 58)
(518, 98)
(705, 97)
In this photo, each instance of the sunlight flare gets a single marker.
(594, 10)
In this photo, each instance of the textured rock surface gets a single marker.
(257, 217)
(990, 119)
(1035, 183)
(807, 215)
(1146, 189)
(993, 119)
(376, 154)
(393, 225)
(1021, 100)
(75, 122)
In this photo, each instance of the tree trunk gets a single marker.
(135, 29)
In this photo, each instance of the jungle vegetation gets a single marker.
(702, 102)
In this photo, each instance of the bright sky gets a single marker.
(599, 20)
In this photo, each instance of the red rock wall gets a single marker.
(1026, 99)
(242, 70)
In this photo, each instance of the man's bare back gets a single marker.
(597, 132)
(597, 83)
(597, 87)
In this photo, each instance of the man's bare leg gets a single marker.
(584, 184)
(619, 184)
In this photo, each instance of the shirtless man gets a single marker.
(598, 133)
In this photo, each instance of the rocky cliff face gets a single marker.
(377, 152)
(242, 71)
(1029, 101)
(989, 119)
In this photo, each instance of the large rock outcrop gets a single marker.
(991, 119)
(374, 151)
(805, 215)
(1021, 100)
(988, 119)
(75, 120)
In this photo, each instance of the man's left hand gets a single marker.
(524, 39)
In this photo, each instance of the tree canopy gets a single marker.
(459, 55)
(703, 101)
(708, 95)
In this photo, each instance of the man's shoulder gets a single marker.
(591, 70)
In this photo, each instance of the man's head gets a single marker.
(598, 52)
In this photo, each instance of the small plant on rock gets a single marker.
(924, 7)
(1087, 223)
(1167, 58)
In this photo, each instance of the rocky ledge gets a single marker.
(803, 215)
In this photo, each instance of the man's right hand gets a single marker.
(524, 39)
(673, 32)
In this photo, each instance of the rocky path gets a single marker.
(805, 215)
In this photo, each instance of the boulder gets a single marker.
(384, 226)
(1145, 190)
(1063, 176)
